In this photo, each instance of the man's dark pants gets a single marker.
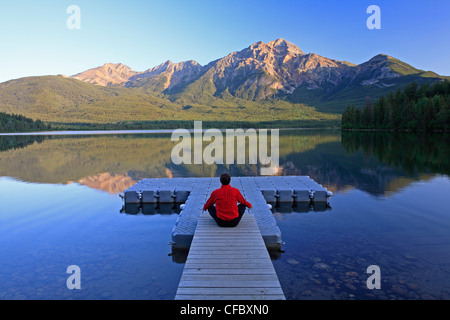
(224, 223)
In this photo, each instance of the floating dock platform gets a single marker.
(194, 192)
(227, 263)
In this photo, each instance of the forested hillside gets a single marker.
(424, 108)
(19, 123)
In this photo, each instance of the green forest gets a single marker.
(19, 123)
(424, 108)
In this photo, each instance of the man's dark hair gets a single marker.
(225, 178)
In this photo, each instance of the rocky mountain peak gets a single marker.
(379, 58)
(284, 46)
(276, 47)
(169, 68)
(166, 75)
(106, 75)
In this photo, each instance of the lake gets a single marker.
(60, 206)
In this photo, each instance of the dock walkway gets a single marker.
(228, 264)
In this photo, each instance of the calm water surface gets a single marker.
(60, 206)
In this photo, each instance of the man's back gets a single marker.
(226, 198)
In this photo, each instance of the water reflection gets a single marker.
(378, 163)
(411, 153)
(17, 142)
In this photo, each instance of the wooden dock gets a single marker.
(228, 264)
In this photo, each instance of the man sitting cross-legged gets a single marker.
(226, 212)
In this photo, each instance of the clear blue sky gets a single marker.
(141, 34)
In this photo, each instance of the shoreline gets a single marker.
(144, 131)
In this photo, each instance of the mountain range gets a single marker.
(262, 81)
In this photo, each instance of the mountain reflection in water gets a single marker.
(378, 163)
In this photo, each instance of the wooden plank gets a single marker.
(255, 252)
(247, 234)
(230, 277)
(218, 246)
(226, 249)
(230, 297)
(222, 245)
(236, 237)
(243, 234)
(206, 271)
(212, 265)
(231, 291)
(223, 249)
(210, 227)
(227, 284)
(228, 260)
(226, 242)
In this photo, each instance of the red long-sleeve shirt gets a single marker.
(226, 199)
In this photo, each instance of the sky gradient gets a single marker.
(142, 34)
